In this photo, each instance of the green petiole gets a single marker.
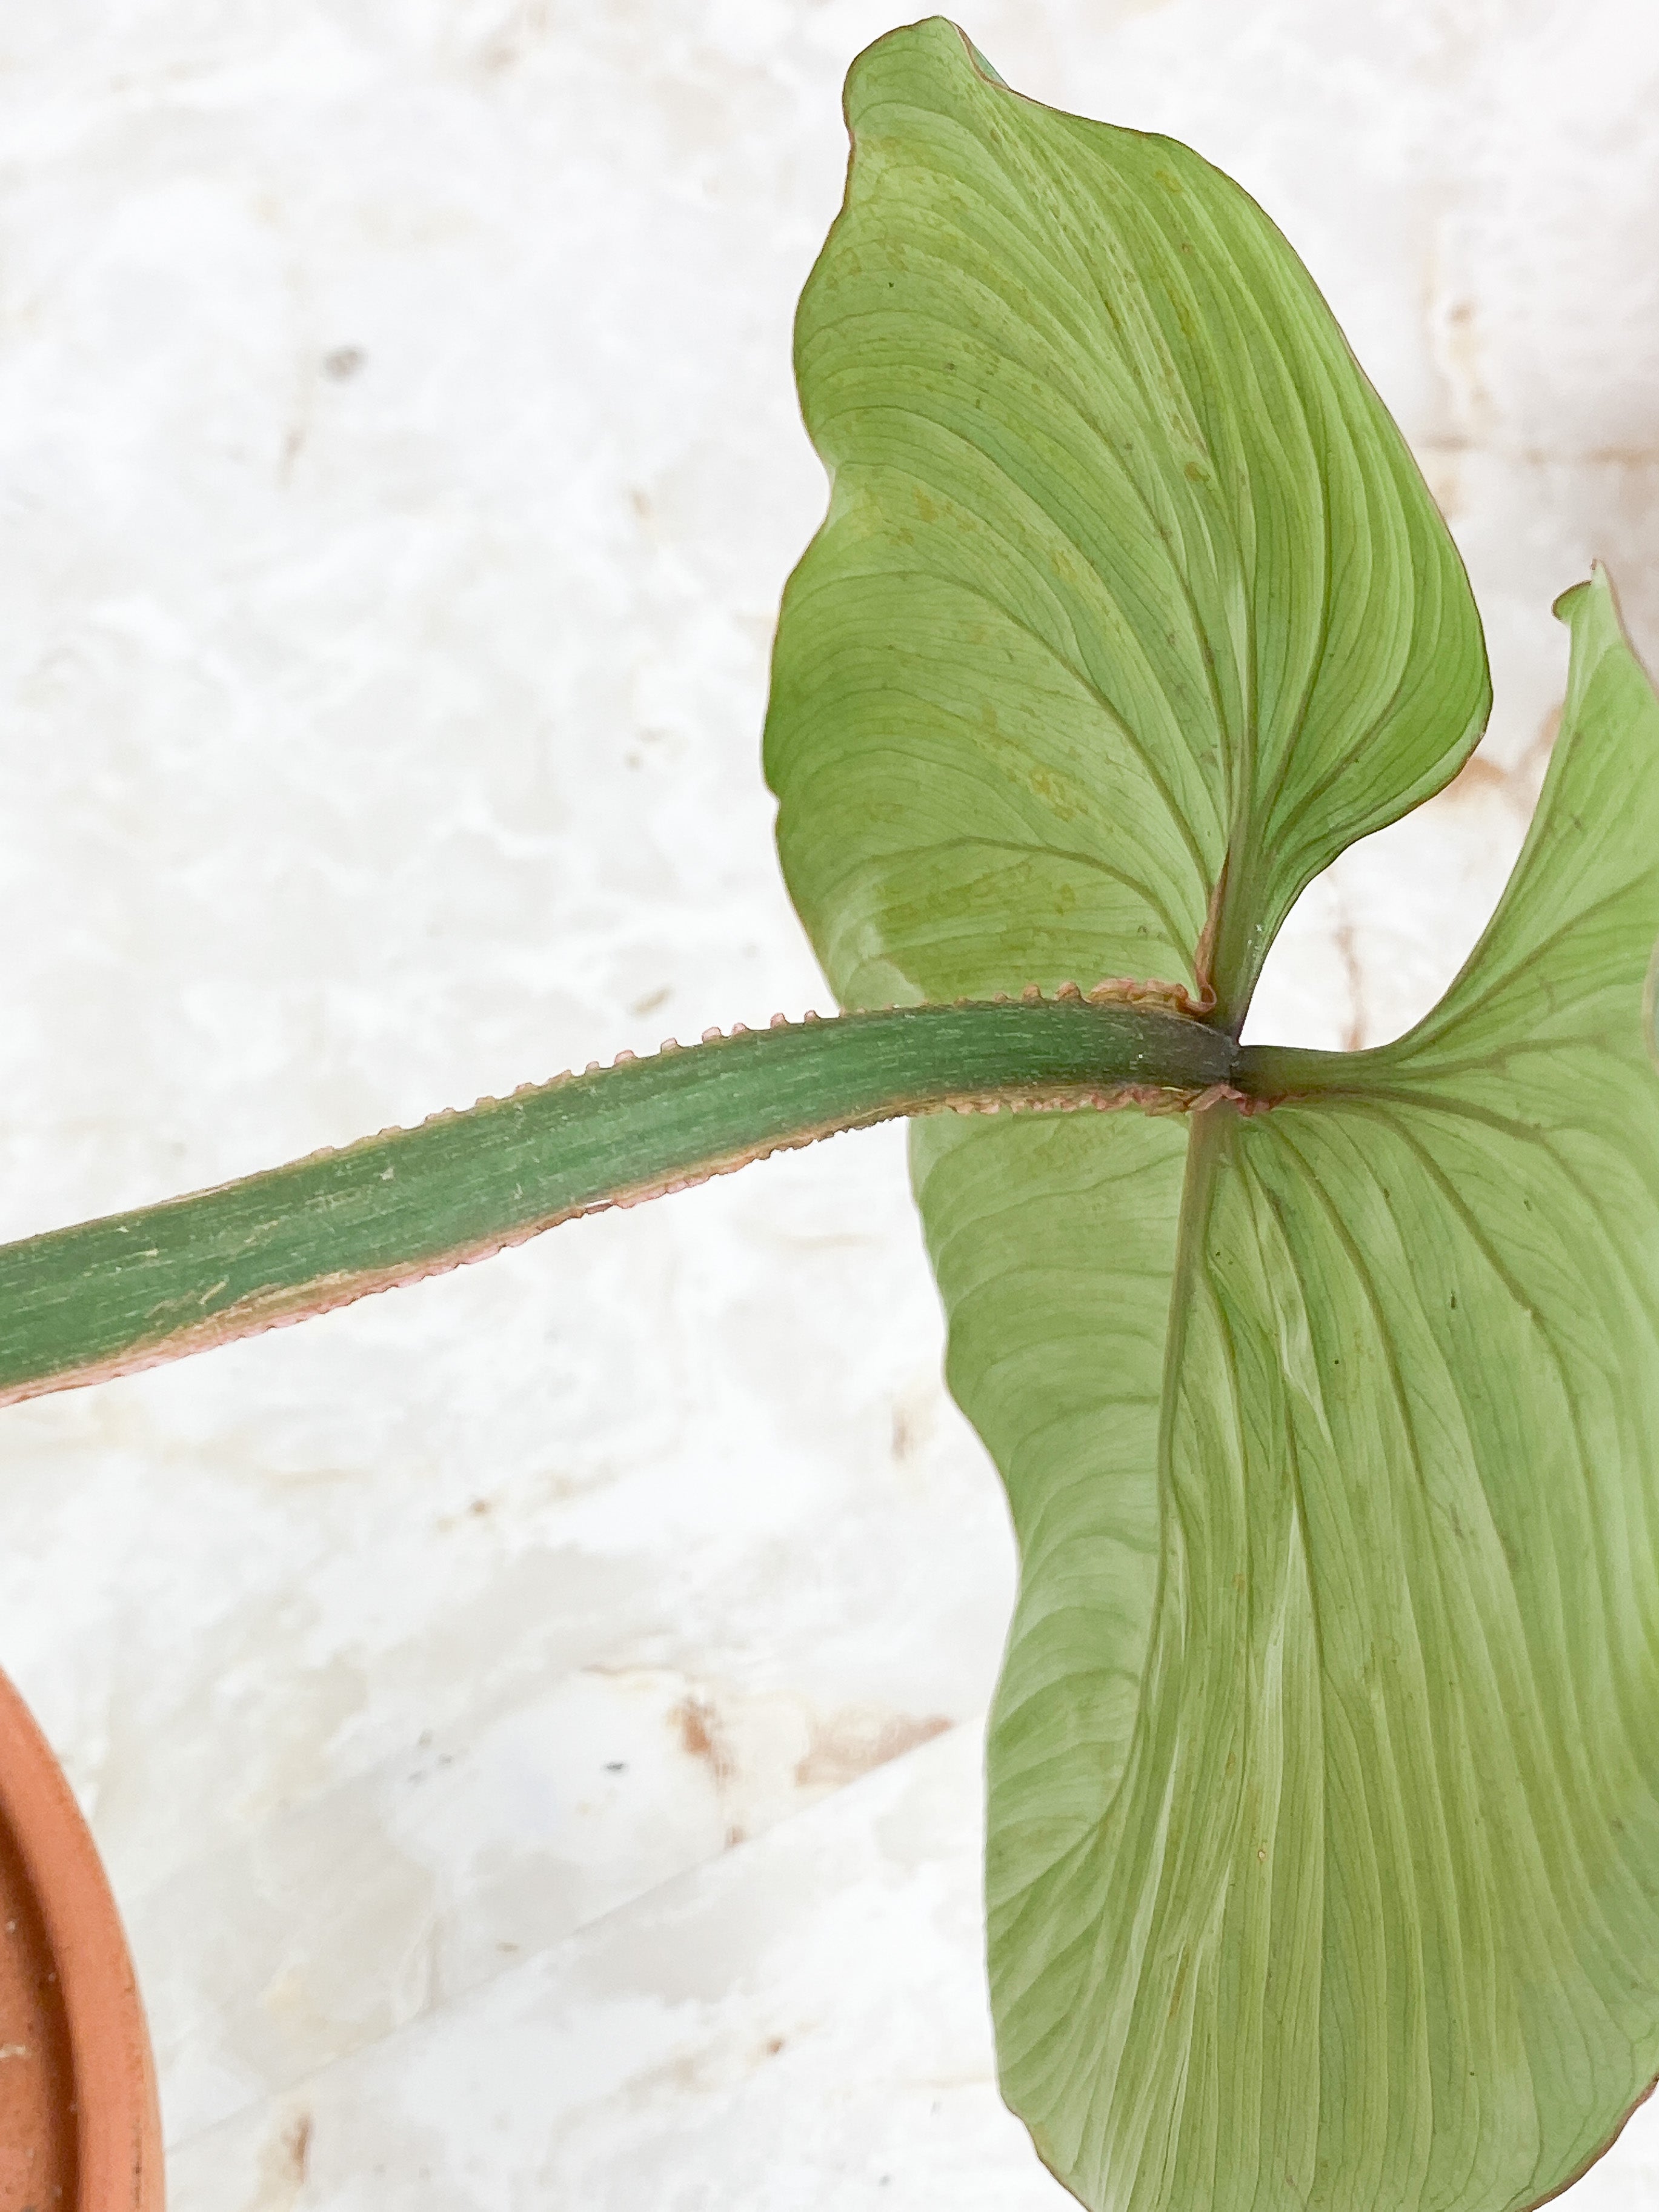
(84, 1304)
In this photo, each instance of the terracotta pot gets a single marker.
(79, 2129)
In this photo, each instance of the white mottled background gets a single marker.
(532, 1721)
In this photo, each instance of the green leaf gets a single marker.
(1320, 1865)
(1131, 609)
(1372, 1918)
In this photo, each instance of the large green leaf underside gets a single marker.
(1131, 609)
(1370, 1918)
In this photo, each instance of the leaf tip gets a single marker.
(1571, 602)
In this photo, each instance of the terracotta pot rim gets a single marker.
(114, 2123)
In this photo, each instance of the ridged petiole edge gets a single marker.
(83, 1304)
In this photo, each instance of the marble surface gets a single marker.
(532, 1720)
